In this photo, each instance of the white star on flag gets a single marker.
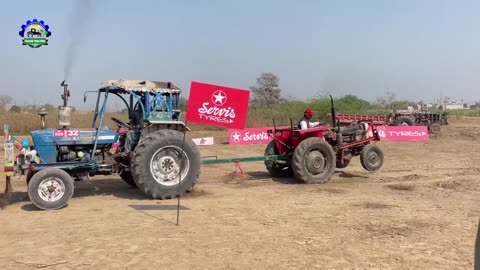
(219, 98)
(236, 136)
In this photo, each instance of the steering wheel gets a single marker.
(119, 123)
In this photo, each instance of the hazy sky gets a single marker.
(417, 49)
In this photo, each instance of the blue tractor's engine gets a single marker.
(59, 145)
(63, 145)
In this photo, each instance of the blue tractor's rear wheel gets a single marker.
(128, 178)
(160, 169)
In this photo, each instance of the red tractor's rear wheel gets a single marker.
(274, 168)
(313, 161)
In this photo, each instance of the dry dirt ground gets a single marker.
(419, 212)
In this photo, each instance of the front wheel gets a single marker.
(371, 157)
(50, 189)
(159, 166)
(313, 161)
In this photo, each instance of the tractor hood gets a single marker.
(47, 140)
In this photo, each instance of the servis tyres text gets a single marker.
(216, 114)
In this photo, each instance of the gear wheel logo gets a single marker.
(35, 33)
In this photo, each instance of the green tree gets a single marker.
(15, 108)
(385, 101)
(354, 100)
(4, 101)
(267, 91)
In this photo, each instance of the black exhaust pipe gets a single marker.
(274, 128)
(66, 93)
(334, 115)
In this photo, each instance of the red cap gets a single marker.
(309, 112)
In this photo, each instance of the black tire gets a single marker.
(145, 151)
(61, 178)
(371, 157)
(345, 164)
(405, 121)
(435, 128)
(304, 157)
(128, 178)
(273, 168)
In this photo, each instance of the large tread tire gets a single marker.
(61, 178)
(141, 162)
(127, 177)
(405, 121)
(371, 157)
(301, 161)
(274, 169)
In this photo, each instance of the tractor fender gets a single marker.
(157, 125)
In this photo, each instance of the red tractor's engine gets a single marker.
(353, 132)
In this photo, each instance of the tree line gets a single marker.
(6, 100)
(265, 93)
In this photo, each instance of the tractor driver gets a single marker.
(305, 122)
(132, 136)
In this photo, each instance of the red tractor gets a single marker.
(311, 155)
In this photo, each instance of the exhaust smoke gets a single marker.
(78, 20)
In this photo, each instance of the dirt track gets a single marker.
(419, 212)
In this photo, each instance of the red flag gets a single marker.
(217, 105)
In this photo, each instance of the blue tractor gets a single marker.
(149, 155)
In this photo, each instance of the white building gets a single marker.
(454, 106)
(469, 105)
